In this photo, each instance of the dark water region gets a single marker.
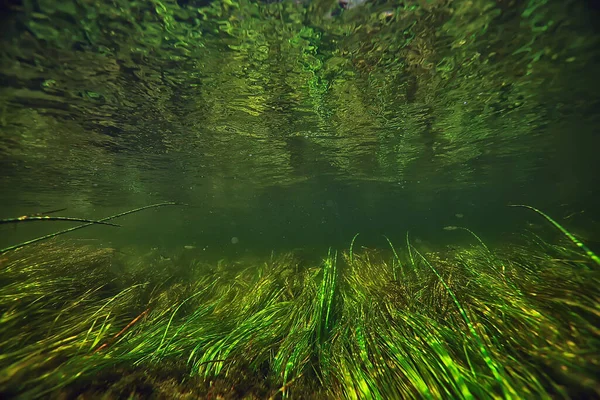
(282, 129)
(323, 212)
(319, 215)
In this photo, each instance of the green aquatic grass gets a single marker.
(467, 323)
(568, 234)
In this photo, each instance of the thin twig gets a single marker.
(28, 218)
(129, 325)
(283, 389)
(51, 235)
(49, 212)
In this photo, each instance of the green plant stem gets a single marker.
(568, 234)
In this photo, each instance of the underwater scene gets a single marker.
(299, 199)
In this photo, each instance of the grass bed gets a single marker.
(84, 322)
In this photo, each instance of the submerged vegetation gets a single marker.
(284, 124)
(470, 322)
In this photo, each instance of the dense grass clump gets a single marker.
(517, 321)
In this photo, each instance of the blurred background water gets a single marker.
(296, 124)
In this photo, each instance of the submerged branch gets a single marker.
(51, 235)
(30, 218)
